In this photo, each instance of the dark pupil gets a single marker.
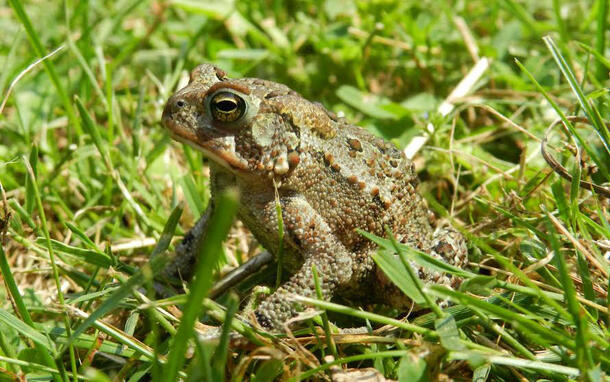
(226, 105)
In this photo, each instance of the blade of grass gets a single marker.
(202, 368)
(91, 129)
(32, 333)
(87, 341)
(414, 279)
(208, 249)
(192, 194)
(600, 37)
(280, 237)
(81, 235)
(561, 25)
(393, 269)
(601, 59)
(86, 69)
(590, 111)
(562, 116)
(516, 362)
(47, 64)
(32, 365)
(54, 267)
(365, 315)
(419, 257)
(29, 193)
(136, 125)
(109, 103)
(219, 359)
(11, 285)
(329, 339)
(91, 296)
(23, 214)
(583, 355)
(89, 256)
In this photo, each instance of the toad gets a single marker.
(330, 177)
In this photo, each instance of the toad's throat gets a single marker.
(214, 152)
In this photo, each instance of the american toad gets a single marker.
(331, 177)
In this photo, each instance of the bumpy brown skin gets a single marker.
(332, 178)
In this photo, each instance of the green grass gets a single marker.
(93, 188)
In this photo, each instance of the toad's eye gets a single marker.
(227, 107)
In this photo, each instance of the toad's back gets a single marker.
(356, 180)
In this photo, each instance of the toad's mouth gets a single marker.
(212, 149)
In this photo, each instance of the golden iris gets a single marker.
(227, 107)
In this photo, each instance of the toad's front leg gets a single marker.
(320, 247)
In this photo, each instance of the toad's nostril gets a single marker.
(168, 111)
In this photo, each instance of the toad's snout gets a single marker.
(173, 107)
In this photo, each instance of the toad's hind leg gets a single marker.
(320, 248)
(444, 244)
(449, 246)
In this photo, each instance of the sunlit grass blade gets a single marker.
(81, 235)
(419, 257)
(48, 65)
(325, 324)
(86, 341)
(191, 194)
(23, 312)
(393, 268)
(523, 16)
(54, 373)
(600, 37)
(562, 116)
(10, 321)
(219, 358)
(86, 69)
(90, 296)
(517, 363)
(591, 112)
(584, 358)
(92, 257)
(55, 269)
(365, 315)
(208, 252)
(599, 57)
(94, 133)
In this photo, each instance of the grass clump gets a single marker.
(93, 188)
